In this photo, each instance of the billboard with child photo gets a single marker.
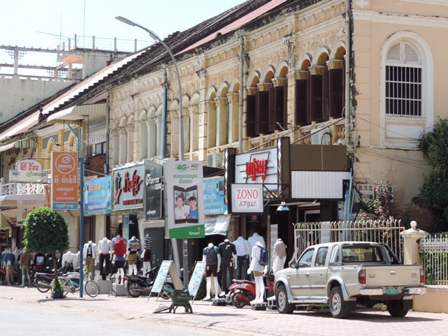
(184, 188)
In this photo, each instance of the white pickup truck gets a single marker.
(345, 275)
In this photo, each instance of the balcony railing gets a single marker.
(11, 189)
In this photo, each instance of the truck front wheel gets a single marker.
(396, 308)
(338, 307)
(283, 306)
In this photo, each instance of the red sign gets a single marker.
(257, 168)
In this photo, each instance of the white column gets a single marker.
(123, 146)
(186, 125)
(115, 147)
(221, 121)
(194, 128)
(144, 139)
(130, 136)
(234, 123)
(174, 133)
(210, 107)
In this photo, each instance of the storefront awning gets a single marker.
(217, 225)
(77, 113)
(11, 201)
(4, 224)
(6, 147)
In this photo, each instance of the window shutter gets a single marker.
(262, 113)
(316, 84)
(301, 102)
(285, 106)
(325, 94)
(272, 109)
(250, 119)
(336, 93)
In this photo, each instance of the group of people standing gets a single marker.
(16, 261)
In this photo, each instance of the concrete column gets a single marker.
(174, 134)
(233, 110)
(186, 126)
(203, 117)
(130, 137)
(123, 146)
(411, 250)
(221, 121)
(115, 147)
(194, 128)
(210, 107)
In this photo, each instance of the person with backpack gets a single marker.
(258, 266)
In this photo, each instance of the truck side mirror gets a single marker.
(293, 264)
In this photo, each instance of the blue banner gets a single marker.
(214, 196)
(98, 196)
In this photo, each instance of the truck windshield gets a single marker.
(362, 254)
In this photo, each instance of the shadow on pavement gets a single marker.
(368, 317)
(68, 300)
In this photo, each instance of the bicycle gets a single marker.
(70, 283)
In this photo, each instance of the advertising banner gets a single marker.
(196, 279)
(64, 181)
(28, 170)
(247, 198)
(129, 188)
(214, 196)
(24, 209)
(98, 196)
(184, 190)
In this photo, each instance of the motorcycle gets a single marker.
(142, 284)
(242, 292)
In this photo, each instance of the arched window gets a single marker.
(403, 81)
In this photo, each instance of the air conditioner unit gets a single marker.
(215, 160)
(320, 137)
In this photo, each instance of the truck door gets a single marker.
(299, 281)
(318, 275)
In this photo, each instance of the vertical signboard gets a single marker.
(64, 181)
(98, 196)
(214, 196)
(184, 190)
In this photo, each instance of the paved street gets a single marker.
(238, 321)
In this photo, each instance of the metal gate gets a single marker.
(387, 232)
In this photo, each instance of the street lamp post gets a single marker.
(181, 130)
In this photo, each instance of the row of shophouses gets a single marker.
(333, 95)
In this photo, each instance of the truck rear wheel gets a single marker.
(396, 308)
(338, 307)
(283, 306)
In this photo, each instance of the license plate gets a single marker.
(392, 290)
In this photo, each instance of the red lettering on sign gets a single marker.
(132, 185)
(257, 168)
(247, 194)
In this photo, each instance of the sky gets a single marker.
(47, 23)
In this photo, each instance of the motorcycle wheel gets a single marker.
(235, 301)
(42, 286)
(166, 291)
(134, 289)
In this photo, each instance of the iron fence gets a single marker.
(434, 255)
(387, 232)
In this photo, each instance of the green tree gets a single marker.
(434, 191)
(46, 231)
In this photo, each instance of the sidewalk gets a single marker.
(240, 321)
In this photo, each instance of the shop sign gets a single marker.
(184, 186)
(154, 196)
(128, 188)
(24, 209)
(98, 196)
(258, 167)
(247, 198)
(28, 171)
(64, 181)
(214, 196)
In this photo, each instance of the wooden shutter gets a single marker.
(250, 119)
(325, 94)
(301, 102)
(316, 85)
(285, 106)
(262, 113)
(336, 93)
(276, 108)
(272, 109)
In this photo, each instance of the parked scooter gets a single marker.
(142, 284)
(242, 292)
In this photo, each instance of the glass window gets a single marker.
(321, 256)
(306, 258)
(362, 254)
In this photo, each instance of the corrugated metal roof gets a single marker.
(237, 23)
(318, 184)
